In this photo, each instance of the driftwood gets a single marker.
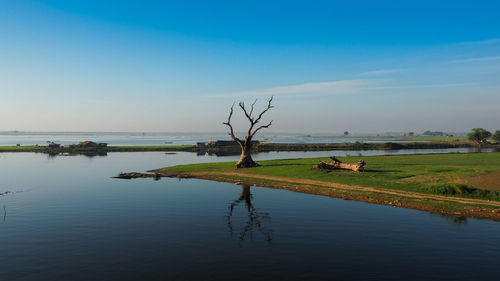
(135, 175)
(337, 164)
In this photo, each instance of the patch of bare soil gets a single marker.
(489, 181)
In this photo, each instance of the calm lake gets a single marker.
(41, 138)
(65, 218)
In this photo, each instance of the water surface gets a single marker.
(67, 219)
(41, 138)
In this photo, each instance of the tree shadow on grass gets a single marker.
(380, 171)
(363, 171)
(275, 165)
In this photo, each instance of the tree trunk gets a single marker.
(246, 160)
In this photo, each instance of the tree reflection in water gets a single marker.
(256, 220)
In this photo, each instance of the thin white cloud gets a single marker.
(311, 89)
(380, 72)
(341, 87)
(446, 85)
(481, 42)
(477, 59)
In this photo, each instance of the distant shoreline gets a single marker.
(261, 147)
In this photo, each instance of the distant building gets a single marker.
(87, 144)
(54, 145)
(220, 143)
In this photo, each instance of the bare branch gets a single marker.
(261, 127)
(249, 116)
(228, 123)
(252, 123)
(251, 111)
(269, 106)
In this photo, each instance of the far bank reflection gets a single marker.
(89, 154)
(256, 220)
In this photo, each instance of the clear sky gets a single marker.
(174, 66)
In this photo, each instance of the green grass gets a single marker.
(32, 148)
(430, 173)
(262, 147)
(433, 138)
(358, 146)
(439, 138)
(408, 138)
(463, 189)
(26, 148)
(151, 148)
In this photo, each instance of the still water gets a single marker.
(41, 138)
(67, 219)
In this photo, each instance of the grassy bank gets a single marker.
(24, 148)
(454, 182)
(151, 148)
(262, 147)
(402, 138)
(45, 149)
(358, 146)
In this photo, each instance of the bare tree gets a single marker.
(246, 160)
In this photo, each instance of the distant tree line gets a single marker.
(435, 133)
(481, 136)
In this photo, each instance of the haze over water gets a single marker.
(41, 138)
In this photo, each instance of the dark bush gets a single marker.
(463, 190)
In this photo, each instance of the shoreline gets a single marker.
(480, 209)
(261, 147)
(310, 181)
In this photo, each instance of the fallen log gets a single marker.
(135, 175)
(337, 164)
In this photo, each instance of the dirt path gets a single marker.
(211, 175)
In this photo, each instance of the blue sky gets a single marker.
(362, 66)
